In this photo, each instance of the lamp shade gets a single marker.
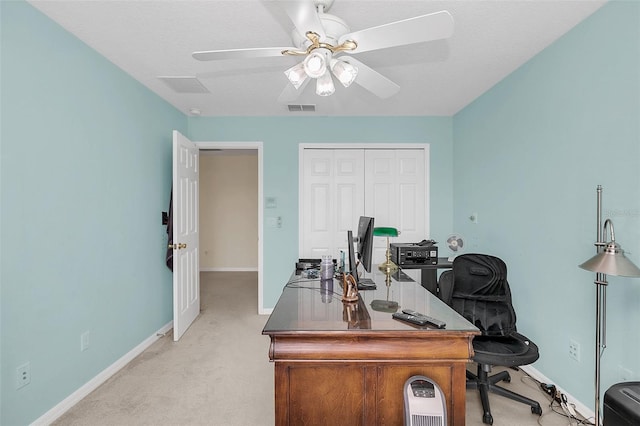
(385, 232)
(344, 71)
(296, 75)
(611, 261)
(315, 64)
(324, 84)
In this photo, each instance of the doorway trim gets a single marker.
(256, 146)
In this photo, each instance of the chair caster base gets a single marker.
(487, 418)
(537, 410)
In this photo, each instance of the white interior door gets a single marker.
(332, 197)
(186, 267)
(396, 187)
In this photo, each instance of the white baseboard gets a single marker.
(265, 311)
(223, 269)
(61, 408)
(584, 411)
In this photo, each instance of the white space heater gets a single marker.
(424, 404)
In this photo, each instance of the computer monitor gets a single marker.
(365, 241)
(362, 283)
(352, 256)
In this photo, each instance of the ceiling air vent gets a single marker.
(185, 84)
(302, 108)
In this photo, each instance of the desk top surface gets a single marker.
(311, 305)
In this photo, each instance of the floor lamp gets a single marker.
(609, 260)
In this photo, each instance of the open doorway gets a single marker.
(230, 219)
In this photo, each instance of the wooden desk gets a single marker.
(346, 364)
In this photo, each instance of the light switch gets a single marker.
(274, 222)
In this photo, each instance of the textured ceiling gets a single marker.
(150, 39)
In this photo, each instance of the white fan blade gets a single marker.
(372, 80)
(259, 52)
(290, 93)
(433, 26)
(304, 16)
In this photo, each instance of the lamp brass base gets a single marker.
(388, 267)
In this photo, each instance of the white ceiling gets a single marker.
(152, 38)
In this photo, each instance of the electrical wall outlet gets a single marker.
(574, 350)
(23, 375)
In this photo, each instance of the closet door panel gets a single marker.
(317, 202)
(333, 199)
(395, 196)
(411, 184)
(349, 193)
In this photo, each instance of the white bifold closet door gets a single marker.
(340, 185)
(332, 199)
(395, 194)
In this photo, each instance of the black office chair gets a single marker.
(477, 289)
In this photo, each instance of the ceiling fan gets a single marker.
(328, 45)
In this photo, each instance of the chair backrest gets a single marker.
(480, 293)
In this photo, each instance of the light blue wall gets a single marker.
(85, 173)
(281, 137)
(528, 156)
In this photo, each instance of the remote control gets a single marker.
(410, 318)
(430, 320)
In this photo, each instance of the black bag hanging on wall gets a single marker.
(169, 223)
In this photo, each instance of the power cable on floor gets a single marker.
(558, 400)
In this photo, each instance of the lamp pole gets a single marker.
(601, 297)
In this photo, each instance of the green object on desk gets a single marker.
(385, 232)
(387, 267)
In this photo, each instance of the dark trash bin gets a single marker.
(622, 405)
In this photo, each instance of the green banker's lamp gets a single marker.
(386, 267)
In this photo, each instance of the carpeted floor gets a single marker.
(219, 373)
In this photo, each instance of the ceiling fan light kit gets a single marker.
(324, 85)
(344, 71)
(319, 36)
(296, 75)
(315, 64)
(319, 65)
